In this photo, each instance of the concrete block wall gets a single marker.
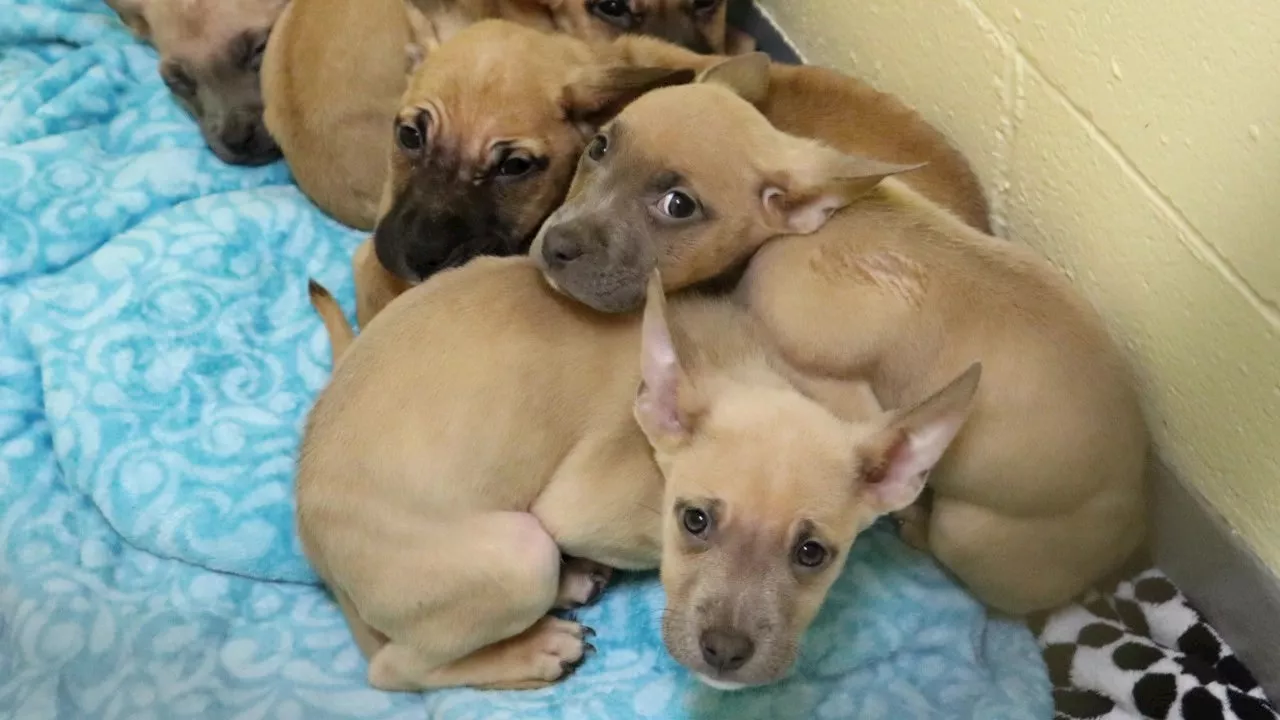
(1136, 143)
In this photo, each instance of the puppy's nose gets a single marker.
(239, 137)
(560, 248)
(726, 650)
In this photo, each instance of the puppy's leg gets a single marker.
(1024, 565)
(375, 286)
(581, 582)
(547, 652)
(469, 607)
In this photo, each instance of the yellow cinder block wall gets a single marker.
(1136, 143)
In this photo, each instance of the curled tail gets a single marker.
(335, 323)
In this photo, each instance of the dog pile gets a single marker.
(636, 298)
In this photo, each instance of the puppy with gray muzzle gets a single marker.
(439, 484)
(210, 57)
(857, 278)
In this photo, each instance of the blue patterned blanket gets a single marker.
(157, 357)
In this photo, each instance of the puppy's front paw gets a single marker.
(581, 583)
(546, 653)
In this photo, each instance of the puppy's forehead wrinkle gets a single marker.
(665, 180)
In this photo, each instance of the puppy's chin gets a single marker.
(604, 293)
(551, 282)
(258, 157)
(720, 684)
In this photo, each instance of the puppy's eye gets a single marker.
(617, 12)
(411, 136)
(695, 521)
(179, 81)
(255, 56)
(514, 166)
(810, 554)
(677, 205)
(704, 6)
(598, 148)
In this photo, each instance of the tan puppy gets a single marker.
(806, 100)
(1043, 493)
(210, 55)
(482, 425)
(336, 69)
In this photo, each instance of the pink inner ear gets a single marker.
(660, 375)
(896, 481)
(887, 461)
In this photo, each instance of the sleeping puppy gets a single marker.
(335, 71)
(428, 226)
(210, 55)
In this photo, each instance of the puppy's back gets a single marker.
(332, 78)
(850, 115)
(480, 375)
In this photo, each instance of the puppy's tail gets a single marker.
(335, 323)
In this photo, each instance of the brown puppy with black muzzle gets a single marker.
(809, 101)
(210, 57)
(472, 175)
(860, 278)
(439, 483)
(336, 69)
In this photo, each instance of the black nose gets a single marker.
(726, 650)
(560, 248)
(240, 137)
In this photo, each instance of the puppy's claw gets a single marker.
(588, 632)
(588, 649)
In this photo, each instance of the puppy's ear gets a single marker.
(596, 95)
(815, 182)
(746, 75)
(422, 36)
(665, 405)
(896, 460)
(133, 14)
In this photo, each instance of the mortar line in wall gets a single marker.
(1188, 235)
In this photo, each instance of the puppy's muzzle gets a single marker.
(563, 247)
(242, 138)
(582, 260)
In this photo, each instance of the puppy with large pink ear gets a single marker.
(765, 489)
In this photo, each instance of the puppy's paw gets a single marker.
(546, 653)
(581, 583)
